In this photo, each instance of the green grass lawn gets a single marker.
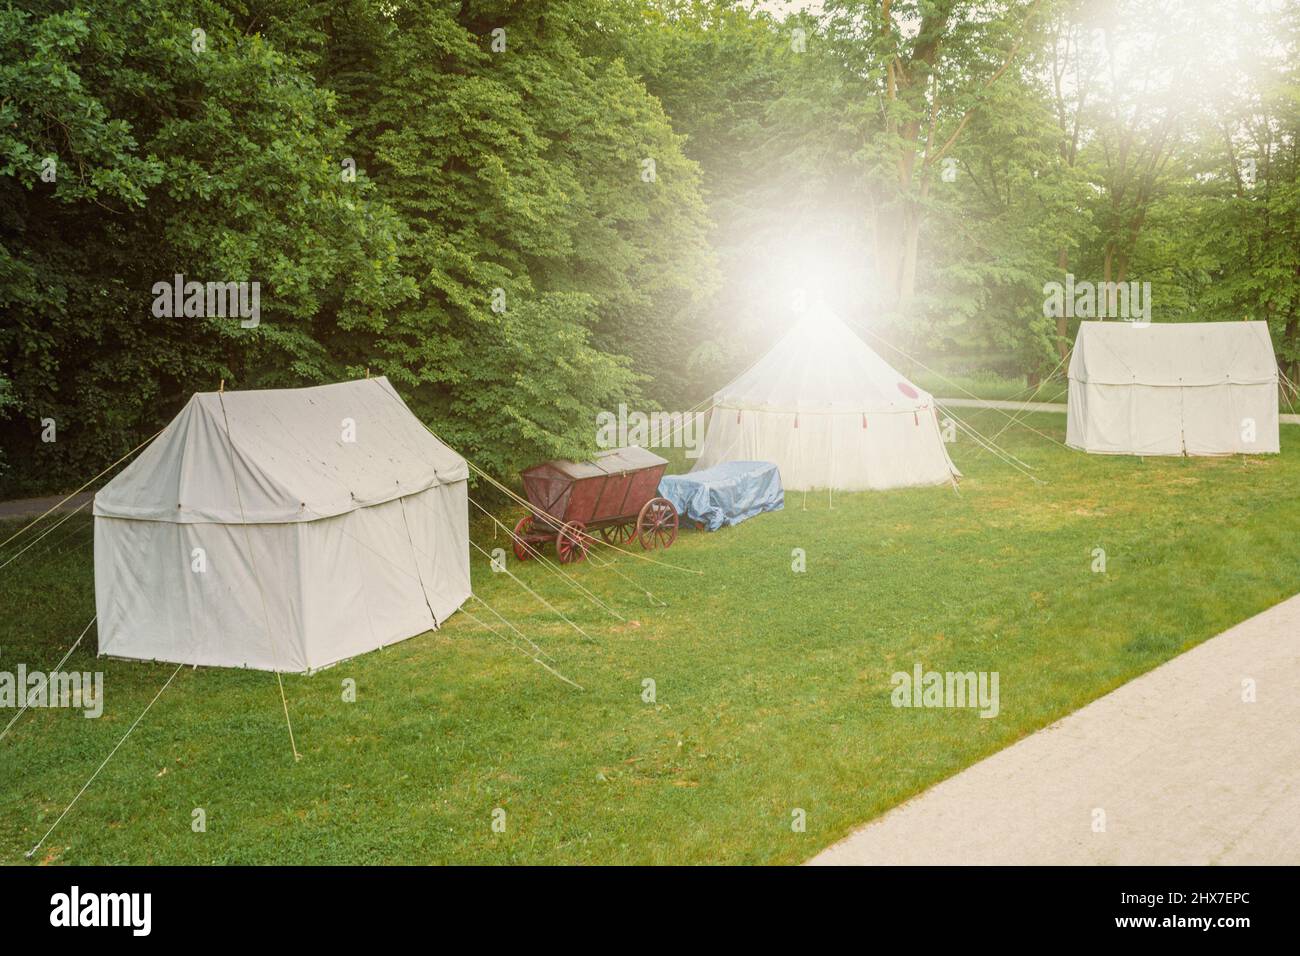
(773, 687)
(988, 385)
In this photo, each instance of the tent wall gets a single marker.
(368, 584)
(152, 606)
(1172, 420)
(895, 450)
(1215, 419)
(333, 588)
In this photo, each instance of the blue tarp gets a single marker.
(725, 494)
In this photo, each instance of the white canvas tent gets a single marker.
(1173, 388)
(831, 413)
(282, 530)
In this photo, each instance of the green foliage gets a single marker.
(503, 252)
(219, 164)
(1226, 240)
(520, 169)
(477, 170)
(1102, 140)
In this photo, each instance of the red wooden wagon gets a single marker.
(616, 493)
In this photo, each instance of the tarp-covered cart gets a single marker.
(725, 494)
(616, 493)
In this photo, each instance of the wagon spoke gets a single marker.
(618, 533)
(521, 543)
(572, 542)
(657, 524)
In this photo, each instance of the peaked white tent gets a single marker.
(831, 413)
(282, 530)
(1173, 388)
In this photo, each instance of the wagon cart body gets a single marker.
(615, 493)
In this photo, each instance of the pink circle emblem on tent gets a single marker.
(908, 390)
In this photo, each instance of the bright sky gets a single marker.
(780, 7)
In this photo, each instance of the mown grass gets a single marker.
(990, 385)
(772, 687)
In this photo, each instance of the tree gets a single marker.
(545, 255)
(412, 196)
(134, 149)
(932, 67)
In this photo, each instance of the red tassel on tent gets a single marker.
(796, 419)
(738, 416)
(864, 421)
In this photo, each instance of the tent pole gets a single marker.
(830, 482)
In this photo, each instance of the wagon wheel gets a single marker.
(522, 530)
(618, 533)
(572, 543)
(657, 524)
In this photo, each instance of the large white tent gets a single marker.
(831, 413)
(282, 530)
(1173, 388)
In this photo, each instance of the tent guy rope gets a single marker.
(402, 570)
(513, 577)
(491, 630)
(55, 507)
(32, 852)
(56, 669)
(948, 381)
(37, 540)
(1042, 382)
(547, 563)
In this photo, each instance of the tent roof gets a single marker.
(278, 455)
(1173, 353)
(822, 365)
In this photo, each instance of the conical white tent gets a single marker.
(831, 413)
(282, 530)
(1173, 388)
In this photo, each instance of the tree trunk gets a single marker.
(911, 245)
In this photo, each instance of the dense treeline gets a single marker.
(476, 223)
(523, 213)
(930, 166)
